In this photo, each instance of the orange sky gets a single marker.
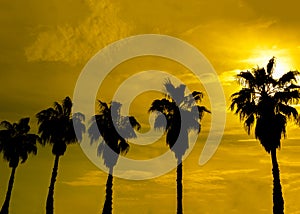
(44, 47)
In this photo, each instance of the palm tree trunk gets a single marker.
(107, 208)
(179, 187)
(50, 199)
(5, 206)
(278, 204)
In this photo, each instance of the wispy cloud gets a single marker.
(228, 77)
(76, 44)
(90, 178)
(247, 140)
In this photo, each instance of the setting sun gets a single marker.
(283, 63)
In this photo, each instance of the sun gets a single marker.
(281, 67)
(261, 57)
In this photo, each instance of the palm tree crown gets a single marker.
(56, 126)
(267, 102)
(114, 129)
(16, 143)
(182, 114)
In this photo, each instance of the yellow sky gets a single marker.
(45, 45)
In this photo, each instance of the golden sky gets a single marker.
(44, 47)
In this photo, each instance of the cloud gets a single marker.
(228, 77)
(90, 178)
(208, 179)
(247, 140)
(132, 174)
(76, 44)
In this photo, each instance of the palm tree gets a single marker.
(114, 130)
(15, 144)
(183, 113)
(266, 102)
(56, 128)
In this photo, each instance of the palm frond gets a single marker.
(190, 121)
(78, 124)
(93, 130)
(287, 96)
(23, 125)
(46, 115)
(288, 77)
(100, 149)
(67, 106)
(249, 122)
(198, 96)
(246, 78)
(7, 125)
(102, 106)
(123, 146)
(58, 107)
(292, 86)
(162, 106)
(135, 124)
(288, 110)
(170, 88)
(177, 93)
(261, 77)
(271, 65)
(160, 122)
(203, 109)
(242, 103)
(198, 111)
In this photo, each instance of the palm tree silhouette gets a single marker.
(182, 114)
(266, 103)
(15, 144)
(114, 130)
(56, 128)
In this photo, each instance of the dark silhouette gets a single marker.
(56, 128)
(266, 102)
(114, 130)
(15, 144)
(182, 114)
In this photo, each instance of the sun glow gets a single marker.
(261, 58)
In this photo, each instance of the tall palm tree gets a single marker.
(266, 102)
(56, 128)
(183, 113)
(114, 130)
(15, 144)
